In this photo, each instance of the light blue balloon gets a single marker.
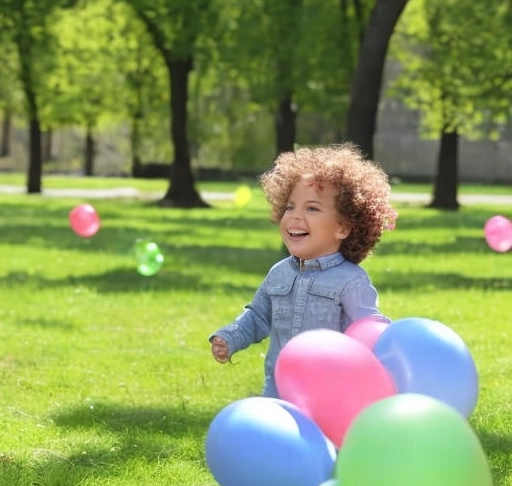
(427, 357)
(265, 441)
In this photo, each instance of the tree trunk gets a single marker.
(135, 140)
(5, 141)
(286, 125)
(90, 152)
(46, 145)
(24, 43)
(446, 181)
(181, 192)
(366, 85)
(35, 161)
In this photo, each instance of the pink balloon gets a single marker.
(366, 330)
(84, 220)
(331, 377)
(498, 233)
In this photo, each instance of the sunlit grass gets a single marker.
(157, 186)
(107, 377)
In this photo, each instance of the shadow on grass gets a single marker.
(131, 421)
(459, 245)
(498, 449)
(47, 323)
(52, 228)
(175, 244)
(153, 433)
(493, 442)
(116, 435)
(129, 281)
(398, 281)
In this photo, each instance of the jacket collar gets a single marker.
(322, 263)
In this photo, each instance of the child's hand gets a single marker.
(220, 349)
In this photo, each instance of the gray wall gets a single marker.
(403, 154)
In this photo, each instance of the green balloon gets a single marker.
(149, 257)
(411, 440)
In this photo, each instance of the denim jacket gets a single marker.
(299, 295)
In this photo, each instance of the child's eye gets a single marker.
(288, 207)
(312, 208)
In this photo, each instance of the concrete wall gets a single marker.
(403, 154)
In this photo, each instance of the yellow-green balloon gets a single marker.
(149, 257)
(243, 196)
(411, 440)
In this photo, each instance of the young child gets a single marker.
(332, 206)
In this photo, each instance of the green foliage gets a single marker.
(108, 74)
(27, 25)
(176, 26)
(455, 65)
(107, 377)
(11, 97)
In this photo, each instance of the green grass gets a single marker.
(160, 185)
(107, 377)
(143, 185)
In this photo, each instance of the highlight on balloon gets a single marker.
(84, 220)
(498, 233)
(148, 256)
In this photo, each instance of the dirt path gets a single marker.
(132, 192)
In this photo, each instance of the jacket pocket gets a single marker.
(324, 307)
(281, 303)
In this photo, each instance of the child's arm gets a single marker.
(251, 326)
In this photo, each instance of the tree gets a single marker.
(104, 74)
(86, 84)
(176, 29)
(457, 71)
(284, 22)
(9, 91)
(28, 23)
(366, 85)
(298, 61)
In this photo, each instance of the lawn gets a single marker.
(107, 377)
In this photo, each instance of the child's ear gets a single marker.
(343, 231)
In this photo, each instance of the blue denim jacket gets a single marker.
(329, 293)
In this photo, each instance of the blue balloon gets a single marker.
(265, 441)
(427, 357)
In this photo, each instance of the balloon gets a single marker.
(265, 441)
(414, 440)
(243, 196)
(366, 330)
(498, 233)
(331, 377)
(427, 357)
(149, 257)
(84, 220)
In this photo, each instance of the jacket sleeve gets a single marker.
(360, 300)
(252, 325)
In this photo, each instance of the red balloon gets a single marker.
(498, 233)
(331, 377)
(366, 330)
(84, 220)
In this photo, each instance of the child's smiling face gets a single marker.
(310, 226)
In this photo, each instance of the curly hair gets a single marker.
(362, 198)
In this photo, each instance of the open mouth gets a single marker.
(297, 233)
